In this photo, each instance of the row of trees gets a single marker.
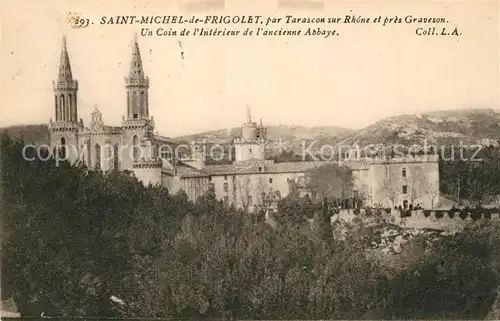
(72, 239)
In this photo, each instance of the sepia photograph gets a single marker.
(250, 160)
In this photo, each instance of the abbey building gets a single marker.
(246, 180)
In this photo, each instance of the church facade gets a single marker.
(248, 181)
(100, 146)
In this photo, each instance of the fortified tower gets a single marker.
(137, 125)
(251, 144)
(66, 127)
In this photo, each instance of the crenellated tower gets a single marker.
(64, 130)
(252, 143)
(137, 126)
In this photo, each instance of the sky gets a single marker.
(366, 73)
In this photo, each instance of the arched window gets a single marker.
(115, 158)
(135, 146)
(97, 156)
(135, 104)
(62, 104)
(62, 148)
(128, 103)
(403, 172)
(142, 100)
(57, 108)
(70, 110)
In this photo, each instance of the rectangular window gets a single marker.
(405, 189)
(270, 180)
(225, 177)
(226, 199)
(250, 201)
(226, 187)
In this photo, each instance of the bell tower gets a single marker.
(137, 85)
(137, 126)
(64, 130)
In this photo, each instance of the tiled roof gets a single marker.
(186, 171)
(255, 167)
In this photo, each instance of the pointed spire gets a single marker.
(260, 121)
(136, 70)
(65, 74)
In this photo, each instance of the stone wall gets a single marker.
(426, 219)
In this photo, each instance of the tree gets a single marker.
(331, 181)
(456, 280)
(244, 191)
(267, 197)
(468, 176)
(390, 191)
(482, 182)
(75, 238)
(430, 190)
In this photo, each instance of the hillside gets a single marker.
(275, 132)
(469, 126)
(37, 134)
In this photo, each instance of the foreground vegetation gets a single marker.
(72, 239)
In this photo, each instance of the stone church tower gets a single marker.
(65, 129)
(137, 126)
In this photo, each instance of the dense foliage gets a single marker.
(331, 181)
(471, 174)
(73, 238)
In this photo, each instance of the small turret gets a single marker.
(249, 129)
(250, 146)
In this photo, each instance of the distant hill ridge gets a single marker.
(274, 132)
(440, 127)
